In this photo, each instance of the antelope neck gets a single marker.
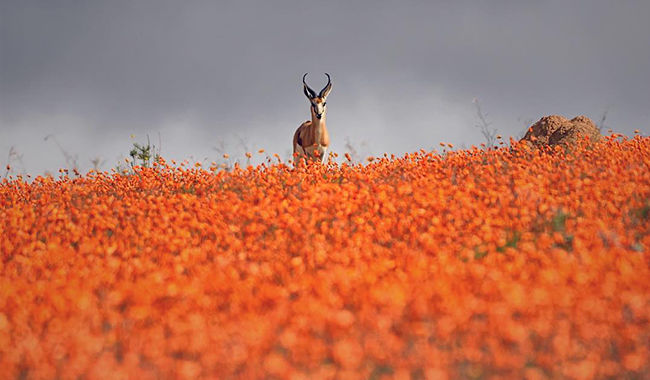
(317, 124)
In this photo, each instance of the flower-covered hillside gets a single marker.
(510, 263)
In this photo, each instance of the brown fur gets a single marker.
(311, 139)
(306, 135)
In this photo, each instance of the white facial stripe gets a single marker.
(319, 108)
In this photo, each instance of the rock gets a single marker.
(555, 130)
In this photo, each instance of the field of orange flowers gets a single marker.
(511, 263)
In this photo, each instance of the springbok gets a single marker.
(311, 139)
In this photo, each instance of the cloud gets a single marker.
(404, 74)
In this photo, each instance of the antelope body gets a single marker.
(311, 139)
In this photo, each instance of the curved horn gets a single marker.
(328, 87)
(308, 91)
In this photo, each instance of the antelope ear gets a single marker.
(309, 93)
(326, 90)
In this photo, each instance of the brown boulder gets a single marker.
(554, 130)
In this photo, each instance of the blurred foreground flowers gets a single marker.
(507, 264)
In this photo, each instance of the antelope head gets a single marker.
(318, 102)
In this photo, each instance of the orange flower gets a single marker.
(348, 353)
(509, 262)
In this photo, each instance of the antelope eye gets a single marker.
(324, 104)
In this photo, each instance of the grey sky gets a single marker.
(404, 73)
